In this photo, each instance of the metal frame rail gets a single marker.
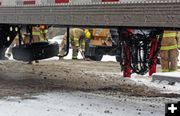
(161, 15)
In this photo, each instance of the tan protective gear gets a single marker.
(178, 39)
(38, 34)
(169, 51)
(77, 41)
(44, 34)
(169, 60)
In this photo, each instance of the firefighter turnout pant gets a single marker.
(169, 51)
(77, 41)
(169, 60)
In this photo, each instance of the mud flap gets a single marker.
(35, 51)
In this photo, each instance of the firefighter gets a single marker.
(77, 39)
(39, 34)
(44, 32)
(169, 51)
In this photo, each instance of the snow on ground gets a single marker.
(162, 86)
(169, 74)
(145, 79)
(85, 104)
(105, 58)
(77, 104)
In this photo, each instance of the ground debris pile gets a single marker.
(19, 78)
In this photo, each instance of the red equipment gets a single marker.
(61, 1)
(110, 0)
(154, 46)
(127, 63)
(29, 2)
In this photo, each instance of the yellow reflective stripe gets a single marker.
(178, 46)
(172, 70)
(168, 47)
(46, 31)
(76, 44)
(76, 39)
(83, 43)
(36, 33)
(165, 70)
(168, 35)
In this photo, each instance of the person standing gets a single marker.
(39, 34)
(169, 51)
(77, 39)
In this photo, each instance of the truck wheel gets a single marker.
(96, 58)
(35, 51)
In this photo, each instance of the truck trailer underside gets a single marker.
(158, 15)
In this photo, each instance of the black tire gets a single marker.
(35, 51)
(96, 58)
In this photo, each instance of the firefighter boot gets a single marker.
(164, 65)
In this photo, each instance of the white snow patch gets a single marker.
(106, 58)
(162, 86)
(76, 104)
(169, 74)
